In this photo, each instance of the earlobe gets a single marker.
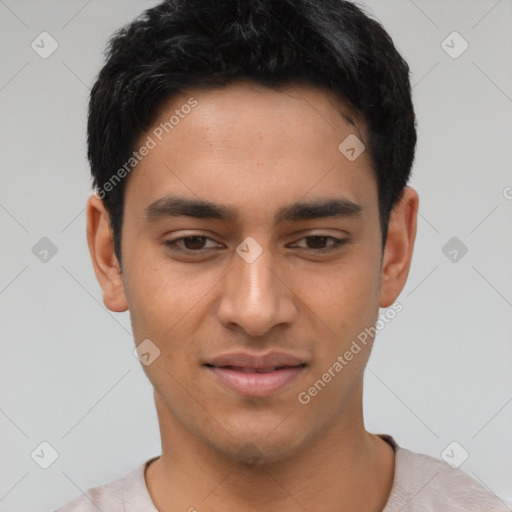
(104, 260)
(399, 247)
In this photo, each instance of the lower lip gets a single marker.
(257, 384)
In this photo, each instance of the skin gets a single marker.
(256, 150)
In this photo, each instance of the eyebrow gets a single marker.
(175, 206)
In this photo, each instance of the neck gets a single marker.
(344, 467)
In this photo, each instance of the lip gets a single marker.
(257, 361)
(256, 375)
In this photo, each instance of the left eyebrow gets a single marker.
(319, 208)
(172, 206)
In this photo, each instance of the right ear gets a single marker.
(104, 260)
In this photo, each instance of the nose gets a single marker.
(256, 296)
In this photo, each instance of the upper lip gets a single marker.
(265, 361)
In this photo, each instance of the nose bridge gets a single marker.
(258, 280)
(253, 297)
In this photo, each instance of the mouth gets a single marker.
(255, 370)
(256, 381)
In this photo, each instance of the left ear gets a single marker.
(397, 256)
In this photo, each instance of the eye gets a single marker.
(193, 244)
(321, 239)
(196, 244)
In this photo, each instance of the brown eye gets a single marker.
(319, 243)
(194, 242)
(189, 244)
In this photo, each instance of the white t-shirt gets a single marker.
(421, 484)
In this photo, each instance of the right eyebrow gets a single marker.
(174, 206)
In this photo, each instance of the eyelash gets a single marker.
(336, 245)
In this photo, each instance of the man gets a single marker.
(252, 213)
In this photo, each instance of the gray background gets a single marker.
(440, 371)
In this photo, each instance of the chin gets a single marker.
(256, 456)
(257, 449)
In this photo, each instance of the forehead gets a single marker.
(253, 146)
(248, 103)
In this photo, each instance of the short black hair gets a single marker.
(180, 45)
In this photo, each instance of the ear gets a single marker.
(399, 247)
(101, 247)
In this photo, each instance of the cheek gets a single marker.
(167, 305)
(345, 296)
(163, 291)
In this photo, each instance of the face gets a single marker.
(253, 297)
